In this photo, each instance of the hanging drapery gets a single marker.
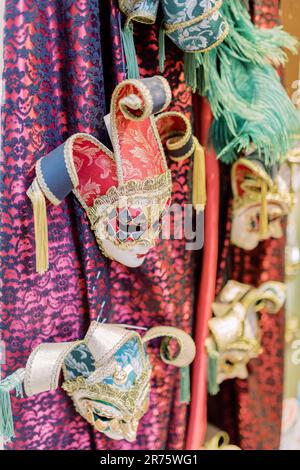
(59, 77)
(206, 289)
(52, 57)
(251, 409)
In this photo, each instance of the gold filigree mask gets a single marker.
(259, 203)
(234, 328)
(107, 374)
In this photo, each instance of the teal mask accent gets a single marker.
(194, 26)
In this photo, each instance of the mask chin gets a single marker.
(128, 257)
(118, 437)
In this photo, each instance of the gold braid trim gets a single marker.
(215, 44)
(126, 401)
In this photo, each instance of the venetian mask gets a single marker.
(217, 440)
(290, 173)
(125, 193)
(234, 328)
(259, 204)
(107, 375)
(290, 429)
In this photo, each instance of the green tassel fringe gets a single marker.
(161, 49)
(213, 387)
(13, 382)
(129, 51)
(268, 123)
(185, 390)
(250, 43)
(248, 102)
(190, 69)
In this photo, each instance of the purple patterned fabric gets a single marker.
(52, 61)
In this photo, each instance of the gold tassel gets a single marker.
(263, 219)
(199, 178)
(38, 202)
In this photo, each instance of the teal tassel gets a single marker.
(161, 48)
(213, 387)
(269, 123)
(190, 69)
(7, 385)
(185, 391)
(251, 43)
(249, 104)
(129, 51)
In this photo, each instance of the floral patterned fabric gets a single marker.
(130, 359)
(201, 36)
(59, 81)
(137, 139)
(80, 362)
(52, 58)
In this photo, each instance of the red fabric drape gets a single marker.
(197, 421)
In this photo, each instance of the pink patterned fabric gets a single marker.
(49, 63)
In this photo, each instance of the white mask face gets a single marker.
(245, 225)
(131, 257)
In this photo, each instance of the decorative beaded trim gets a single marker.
(125, 401)
(142, 17)
(68, 156)
(284, 200)
(129, 11)
(27, 384)
(133, 189)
